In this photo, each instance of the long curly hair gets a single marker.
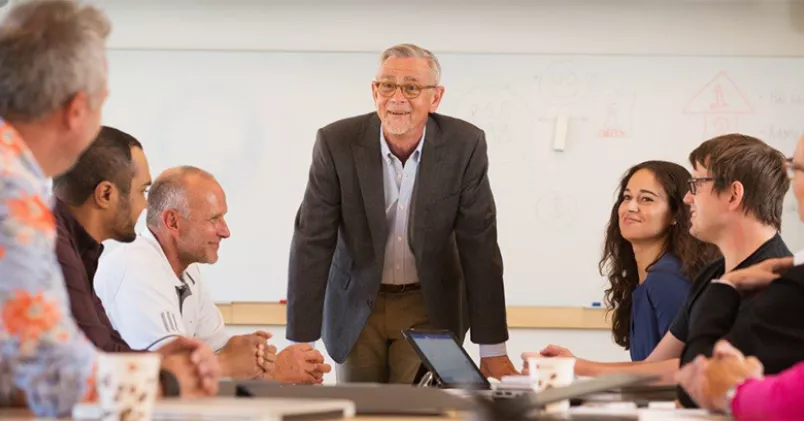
(618, 262)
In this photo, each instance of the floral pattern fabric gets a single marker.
(42, 351)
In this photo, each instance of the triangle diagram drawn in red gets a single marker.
(720, 96)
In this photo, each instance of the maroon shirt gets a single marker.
(78, 254)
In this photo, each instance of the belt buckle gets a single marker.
(404, 287)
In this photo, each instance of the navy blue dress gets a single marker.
(655, 304)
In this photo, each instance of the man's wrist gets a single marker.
(223, 362)
(493, 350)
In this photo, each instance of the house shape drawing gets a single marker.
(721, 103)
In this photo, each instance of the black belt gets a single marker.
(396, 289)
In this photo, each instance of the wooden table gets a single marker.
(675, 415)
(25, 415)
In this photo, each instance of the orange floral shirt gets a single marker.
(42, 351)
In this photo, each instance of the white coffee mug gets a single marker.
(546, 373)
(127, 385)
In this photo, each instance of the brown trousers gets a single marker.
(381, 354)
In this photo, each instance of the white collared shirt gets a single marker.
(140, 293)
(399, 265)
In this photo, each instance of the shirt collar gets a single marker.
(386, 150)
(83, 241)
(151, 240)
(774, 247)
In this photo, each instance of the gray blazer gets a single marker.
(338, 246)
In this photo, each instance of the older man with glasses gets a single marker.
(397, 230)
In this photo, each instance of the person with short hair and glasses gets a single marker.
(726, 381)
(649, 255)
(397, 229)
(736, 194)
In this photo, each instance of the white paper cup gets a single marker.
(546, 373)
(127, 385)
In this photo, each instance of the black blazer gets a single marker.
(337, 252)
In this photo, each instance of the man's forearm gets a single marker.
(666, 370)
(227, 364)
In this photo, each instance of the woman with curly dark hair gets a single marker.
(649, 255)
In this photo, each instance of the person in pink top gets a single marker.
(731, 383)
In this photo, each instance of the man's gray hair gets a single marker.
(169, 191)
(414, 51)
(50, 50)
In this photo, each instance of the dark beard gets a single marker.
(127, 236)
(125, 231)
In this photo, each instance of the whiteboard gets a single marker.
(250, 118)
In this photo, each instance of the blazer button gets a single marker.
(370, 303)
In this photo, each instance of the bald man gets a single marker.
(152, 288)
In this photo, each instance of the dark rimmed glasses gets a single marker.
(409, 90)
(696, 182)
(791, 167)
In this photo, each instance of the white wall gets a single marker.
(726, 27)
(705, 27)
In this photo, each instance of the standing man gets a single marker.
(397, 229)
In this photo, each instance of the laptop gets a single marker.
(452, 367)
(230, 408)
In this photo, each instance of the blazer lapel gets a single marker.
(368, 161)
(427, 181)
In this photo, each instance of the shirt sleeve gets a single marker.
(50, 359)
(211, 328)
(493, 350)
(779, 397)
(667, 293)
(476, 238)
(145, 307)
(714, 315)
(680, 325)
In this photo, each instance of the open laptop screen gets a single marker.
(441, 354)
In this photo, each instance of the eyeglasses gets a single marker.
(409, 90)
(694, 183)
(791, 167)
